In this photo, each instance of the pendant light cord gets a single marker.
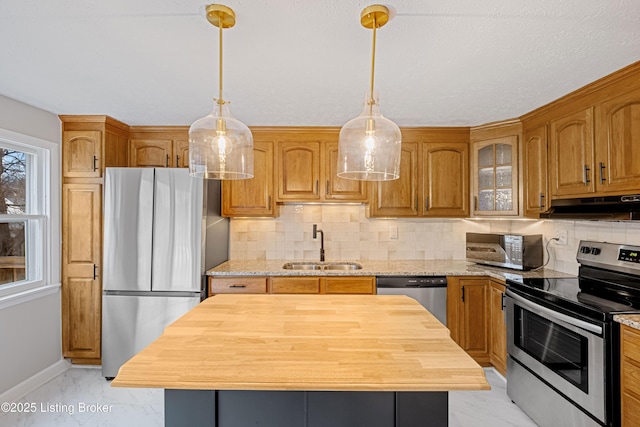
(220, 99)
(373, 64)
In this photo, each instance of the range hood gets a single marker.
(610, 208)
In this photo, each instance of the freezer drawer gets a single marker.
(130, 323)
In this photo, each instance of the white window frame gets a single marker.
(43, 222)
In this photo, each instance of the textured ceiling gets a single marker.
(295, 62)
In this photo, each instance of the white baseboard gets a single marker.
(30, 384)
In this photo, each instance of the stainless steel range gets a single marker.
(563, 345)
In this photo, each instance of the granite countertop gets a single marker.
(631, 320)
(381, 268)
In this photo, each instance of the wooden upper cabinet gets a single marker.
(298, 166)
(252, 197)
(617, 166)
(398, 198)
(82, 154)
(155, 153)
(181, 153)
(495, 176)
(336, 188)
(536, 193)
(445, 179)
(571, 166)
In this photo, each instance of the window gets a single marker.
(25, 207)
(13, 201)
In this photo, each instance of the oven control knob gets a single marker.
(585, 249)
(595, 251)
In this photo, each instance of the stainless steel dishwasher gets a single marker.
(430, 291)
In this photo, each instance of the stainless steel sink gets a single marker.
(322, 266)
(302, 266)
(342, 266)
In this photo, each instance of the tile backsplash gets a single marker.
(350, 235)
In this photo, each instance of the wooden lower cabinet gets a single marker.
(238, 285)
(354, 285)
(630, 376)
(468, 315)
(295, 285)
(362, 285)
(81, 271)
(498, 347)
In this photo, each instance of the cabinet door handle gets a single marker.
(237, 286)
(269, 202)
(602, 168)
(327, 189)
(416, 205)
(95, 163)
(317, 186)
(95, 272)
(475, 203)
(541, 201)
(426, 204)
(463, 294)
(167, 162)
(586, 175)
(503, 304)
(177, 161)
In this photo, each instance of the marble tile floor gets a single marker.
(66, 401)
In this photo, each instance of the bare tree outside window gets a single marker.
(13, 195)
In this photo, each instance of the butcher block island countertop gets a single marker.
(308, 342)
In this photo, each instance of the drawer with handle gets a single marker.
(237, 285)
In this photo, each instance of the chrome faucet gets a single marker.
(315, 235)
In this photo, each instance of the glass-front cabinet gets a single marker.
(495, 177)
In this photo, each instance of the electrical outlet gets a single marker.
(562, 238)
(393, 232)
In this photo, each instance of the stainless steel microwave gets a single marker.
(516, 251)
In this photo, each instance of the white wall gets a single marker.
(350, 235)
(30, 330)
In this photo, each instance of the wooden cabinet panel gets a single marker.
(630, 375)
(156, 153)
(468, 315)
(181, 153)
(349, 285)
(618, 144)
(252, 197)
(398, 198)
(336, 188)
(81, 154)
(81, 270)
(237, 285)
(445, 179)
(498, 351)
(475, 317)
(536, 197)
(295, 285)
(571, 148)
(298, 171)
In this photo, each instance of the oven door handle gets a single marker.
(547, 312)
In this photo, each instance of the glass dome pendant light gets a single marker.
(370, 145)
(220, 146)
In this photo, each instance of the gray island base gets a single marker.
(244, 408)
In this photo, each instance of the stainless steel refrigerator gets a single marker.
(162, 231)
